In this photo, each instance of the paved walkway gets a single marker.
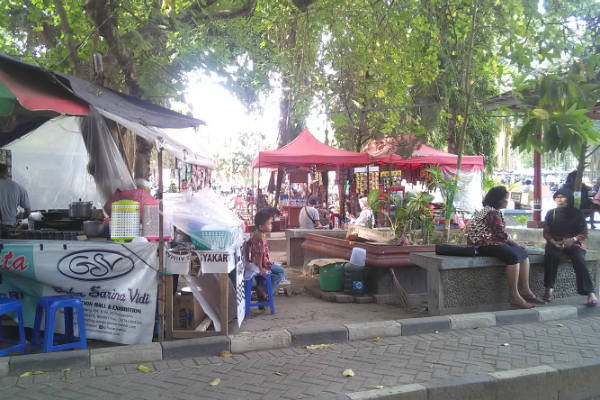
(295, 373)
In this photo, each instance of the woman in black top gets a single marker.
(565, 231)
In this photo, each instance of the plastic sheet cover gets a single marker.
(470, 190)
(105, 164)
(201, 211)
(51, 163)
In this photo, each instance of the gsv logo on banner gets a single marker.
(95, 265)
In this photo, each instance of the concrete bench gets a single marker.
(471, 284)
(295, 237)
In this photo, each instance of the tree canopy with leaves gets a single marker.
(379, 68)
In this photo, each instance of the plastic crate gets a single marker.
(212, 240)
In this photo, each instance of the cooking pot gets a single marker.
(80, 209)
(93, 228)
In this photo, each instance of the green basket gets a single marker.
(212, 240)
(331, 277)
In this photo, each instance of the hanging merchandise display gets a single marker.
(388, 179)
(361, 181)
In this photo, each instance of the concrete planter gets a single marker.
(382, 261)
(378, 255)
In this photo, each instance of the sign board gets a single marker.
(216, 261)
(117, 283)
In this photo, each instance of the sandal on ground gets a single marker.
(533, 299)
(548, 297)
(522, 304)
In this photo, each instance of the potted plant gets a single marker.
(409, 214)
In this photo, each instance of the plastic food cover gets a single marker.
(202, 211)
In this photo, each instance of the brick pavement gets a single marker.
(296, 372)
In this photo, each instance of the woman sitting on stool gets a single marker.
(487, 231)
(565, 232)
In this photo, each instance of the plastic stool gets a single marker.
(50, 305)
(269, 302)
(7, 305)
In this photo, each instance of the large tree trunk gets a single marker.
(143, 152)
(103, 15)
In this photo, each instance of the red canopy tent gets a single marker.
(384, 151)
(306, 151)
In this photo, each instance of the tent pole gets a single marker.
(368, 182)
(162, 290)
(251, 206)
(178, 175)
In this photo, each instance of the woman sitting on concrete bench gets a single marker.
(487, 231)
(565, 232)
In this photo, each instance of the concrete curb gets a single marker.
(319, 334)
(200, 347)
(369, 330)
(49, 361)
(470, 321)
(557, 312)
(260, 341)
(301, 336)
(4, 367)
(137, 353)
(415, 326)
(566, 381)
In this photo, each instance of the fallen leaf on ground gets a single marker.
(144, 369)
(30, 373)
(226, 353)
(348, 372)
(214, 382)
(378, 387)
(377, 339)
(277, 373)
(318, 346)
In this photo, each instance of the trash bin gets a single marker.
(331, 277)
(354, 279)
(354, 272)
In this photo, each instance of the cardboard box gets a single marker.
(187, 312)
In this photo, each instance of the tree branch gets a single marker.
(72, 46)
(244, 11)
(106, 22)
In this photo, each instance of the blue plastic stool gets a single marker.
(269, 302)
(50, 305)
(7, 305)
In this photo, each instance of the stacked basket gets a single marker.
(125, 220)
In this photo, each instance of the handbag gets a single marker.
(455, 250)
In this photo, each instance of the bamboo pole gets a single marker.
(224, 294)
(161, 247)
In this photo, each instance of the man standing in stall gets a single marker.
(12, 195)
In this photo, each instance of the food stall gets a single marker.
(305, 153)
(406, 156)
(55, 136)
